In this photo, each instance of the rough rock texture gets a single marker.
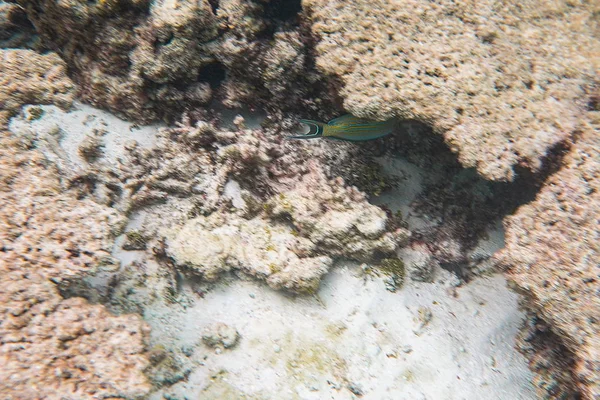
(502, 81)
(336, 218)
(220, 242)
(219, 334)
(28, 77)
(52, 347)
(290, 244)
(553, 253)
(146, 60)
(15, 29)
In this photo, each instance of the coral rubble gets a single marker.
(502, 82)
(290, 244)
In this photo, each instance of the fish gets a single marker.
(348, 128)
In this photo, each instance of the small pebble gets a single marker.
(355, 389)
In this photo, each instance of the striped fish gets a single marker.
(347, 127)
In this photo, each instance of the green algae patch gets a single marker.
(392, 267)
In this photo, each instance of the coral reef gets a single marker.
(201, 184)
(15, 29)
(53, 347)
(290, 244)
(500, 98)
(31, 78)
(146, 60)
(552, 253)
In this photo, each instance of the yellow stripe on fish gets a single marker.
(347, 127)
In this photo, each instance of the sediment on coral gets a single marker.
(552, 253)
(500, 99)
(150, 60)
(47, 237)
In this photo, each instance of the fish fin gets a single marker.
(346, 119)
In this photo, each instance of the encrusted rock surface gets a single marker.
(29, 77)
(146, 60)
(553, 253)
(292, 243)
(502, 81)
(337, 219)
(52, 347)
(220, 242)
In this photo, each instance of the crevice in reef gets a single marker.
(283, 10)
(213, 73)
(462, 204)
(16, 30)
(551, 361)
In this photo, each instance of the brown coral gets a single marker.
(147, 60)
(31, 78)
(553, 253)
(52, 347)
(502, 81)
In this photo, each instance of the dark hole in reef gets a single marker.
(214, 5)
(19, 18)
(283, 10)
(214, 74)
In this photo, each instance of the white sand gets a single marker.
(352, 333)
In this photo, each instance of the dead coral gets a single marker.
(338, 219)
(47, 236)
(146, 60)
(501, 98)
(553, 253)
(326, 220)
(31, 78)
(208, 246)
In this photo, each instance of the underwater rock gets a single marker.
(48, 237)
(15, 29)
(292, 243)
(28, 77)
(208, 246)
(149, 60)
(500, 98)
(338, 219)
(552, 253)
(220, 335)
